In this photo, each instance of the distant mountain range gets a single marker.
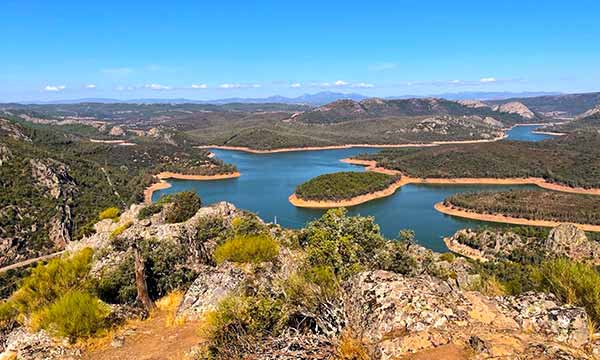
(317, 99)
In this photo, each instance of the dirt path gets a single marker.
(151, 339)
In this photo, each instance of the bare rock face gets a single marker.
(569, 240)
(5, 154)
(52, 175)
(23, 345)
(404, 315)
(564, 240)
(209, 289)
(516, 107)
(484, 245)
(492, 122)
(475, 104)
(116, 131)
(11, 130)
(590, 112)
(55, 177)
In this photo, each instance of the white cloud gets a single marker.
(230, 86)
(55, 87)
(121, 71)
(238, 86)
(340, 83)
(157, 87)
(90, 86)
(456, 81)
(296, 85)
(199, 86)
(362, 85)
(487, 80)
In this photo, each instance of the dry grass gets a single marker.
(166, 308)
(351, 348)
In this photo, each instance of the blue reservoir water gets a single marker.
(267, 180)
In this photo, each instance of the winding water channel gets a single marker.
(268, 179)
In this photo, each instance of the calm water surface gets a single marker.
(268, 179)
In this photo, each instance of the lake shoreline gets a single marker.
(499, 218)
(371, 165)
(348, 146)
(165, 175)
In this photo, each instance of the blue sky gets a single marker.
(204, 50)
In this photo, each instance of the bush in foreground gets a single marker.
(182, 206)
(237, 325)
(574, 283)
(76, 314)
(165, 272)
(243, 249)
(149, 210)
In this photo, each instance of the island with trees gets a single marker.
(344, 189)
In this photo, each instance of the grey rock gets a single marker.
(209, 289)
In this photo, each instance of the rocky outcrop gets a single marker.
(399, 315)
(23, 345)
(516, 107)
(570, 241)
(591, 112)
(209, 289)
(564, 240)
(11, 130)
(54, 176)
(155, 227)
(492, 122)
(5, 154)
(116, 131)
(475, 104)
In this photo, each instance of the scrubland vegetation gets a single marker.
(572, 160)
(532, 204)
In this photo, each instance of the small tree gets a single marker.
(407, 237)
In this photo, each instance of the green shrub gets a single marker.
(243, 249)
(182, 206)
(48, 282)
(8, 313)
(398, 259)
(149, 210)
(75, 314)
(86, 230)
(119, 230)
(574, 283)
(344, 244)
(239, 323)
(247, 224)
(210, 227)
(166, 271)
(112, 213)
(447, 256)
(324, 278)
